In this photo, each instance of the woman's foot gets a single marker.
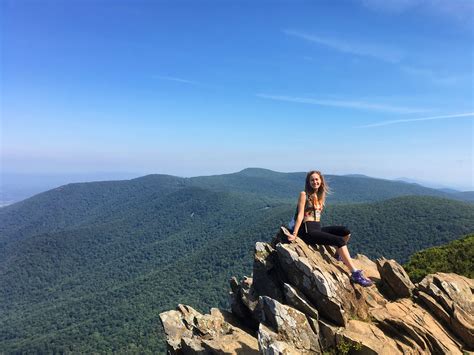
(358, 278)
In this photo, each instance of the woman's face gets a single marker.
(315, 181)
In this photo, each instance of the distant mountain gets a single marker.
(15, 187)
(355, 188)
(257, 180)
(357, 175)
(88, 267)
(431, 185)
(463, 196)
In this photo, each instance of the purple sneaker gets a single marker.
(360, 279)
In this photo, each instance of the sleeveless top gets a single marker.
(312, 209)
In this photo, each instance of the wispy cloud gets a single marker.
(387, 123)
(390, 55)
(361, 49)
(433, 77)
(360, 105)
(179, 80)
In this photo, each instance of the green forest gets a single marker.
(88, 267)
(456, 256)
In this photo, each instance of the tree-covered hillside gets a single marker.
(399, 227)
(456, 256)
(88, 267)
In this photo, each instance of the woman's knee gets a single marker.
(347, 237)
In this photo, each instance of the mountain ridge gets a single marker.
(294, 180)
(116, 260)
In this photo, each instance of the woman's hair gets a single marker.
(323, 189)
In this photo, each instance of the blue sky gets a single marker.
(383, 88)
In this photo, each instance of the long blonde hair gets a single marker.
(323, 189)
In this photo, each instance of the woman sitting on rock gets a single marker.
(308, 226)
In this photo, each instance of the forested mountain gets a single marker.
(456, 256)
(81, 203)
(88, 267)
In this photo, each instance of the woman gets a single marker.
(308, 226)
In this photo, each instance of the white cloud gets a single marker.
(361, 49)
(386, 123)
(433, 77)
(361, 105)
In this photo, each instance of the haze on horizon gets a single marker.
(188, 88)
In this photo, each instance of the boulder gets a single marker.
(366, 338)
(266, 272)
(450, 298)
(297, 300)
(190, 332)
(407, 323)
(244, 301)
(291, 325)
(300, 300)
(324, 282)
(394, 281)
(271, 343)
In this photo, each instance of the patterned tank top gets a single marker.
(312, 209)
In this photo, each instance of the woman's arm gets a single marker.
(300, 216)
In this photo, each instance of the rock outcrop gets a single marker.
(300, 300)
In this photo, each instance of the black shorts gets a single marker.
(312, 233)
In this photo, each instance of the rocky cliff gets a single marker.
(300, 300)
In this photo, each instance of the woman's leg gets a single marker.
(339, 231)
(318, 236)
(346, 257)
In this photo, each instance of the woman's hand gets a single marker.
(289, 236)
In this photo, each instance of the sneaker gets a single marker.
(358, 278)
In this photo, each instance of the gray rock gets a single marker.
(395, 282)
(297, 300)
(316, 308)
(291, 325)
(450, 298)
(323, 283)
(266, 273)
(243, 302)
(190, 332)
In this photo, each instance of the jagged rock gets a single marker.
(270, 343)
(316, 308)
(410, 324)
(190, 332)
(243, 301)
(325, 283)
(450, 298)
(295, 299)
(395, 282)
(366, 338)
(327, 335)
(235, 300)
(175, 329)
(266, 273)
(191, 346)
(291, 325)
